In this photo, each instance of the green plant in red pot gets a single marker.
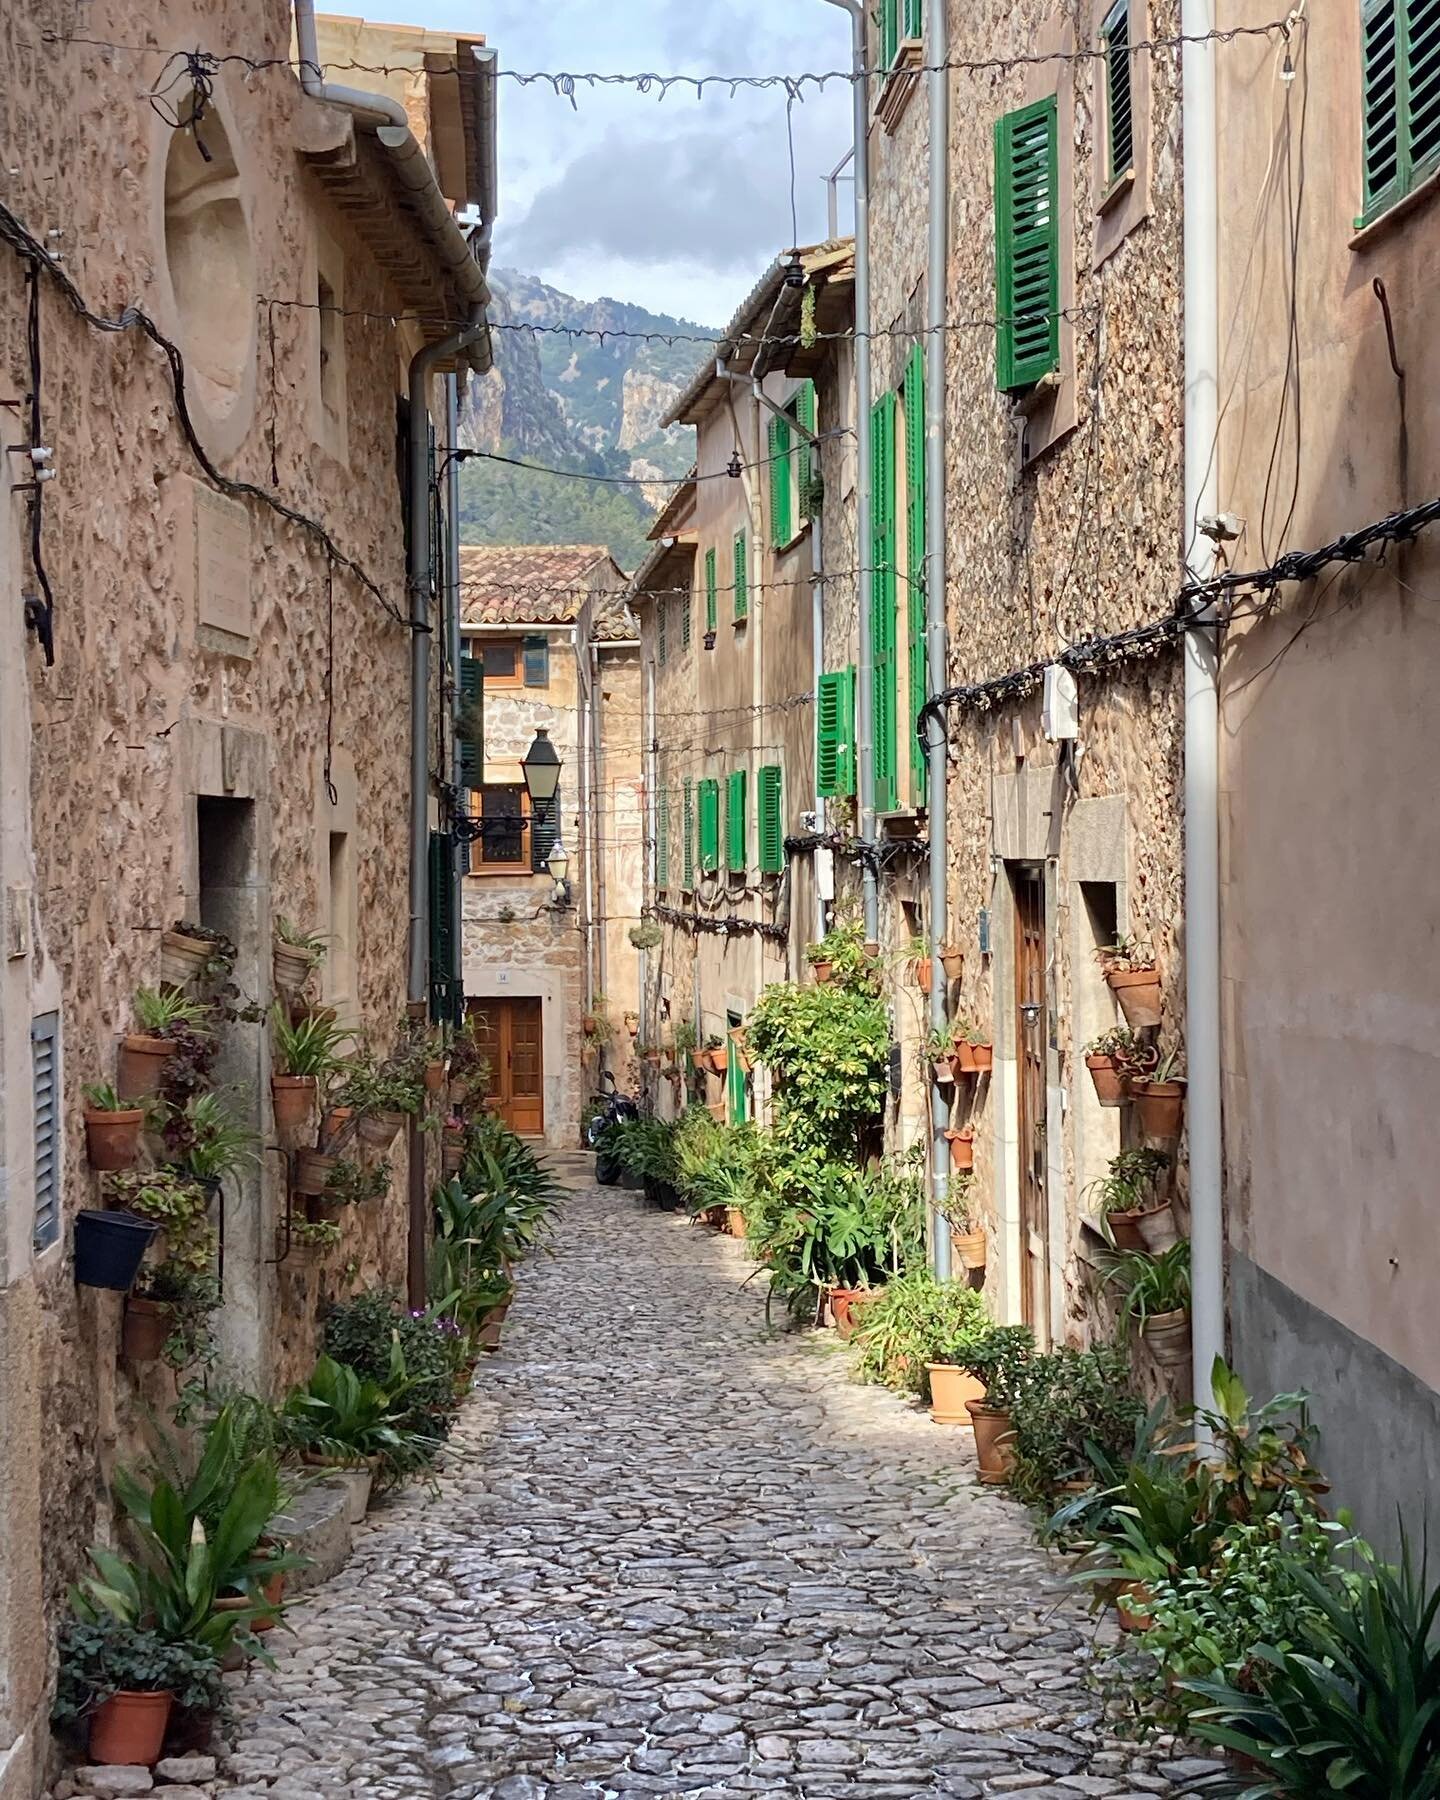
(117, 1684)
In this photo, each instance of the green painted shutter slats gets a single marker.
(709, 804)
(1382, 105)
(781, 519)
(537, 662)
(544, 831)
(770, 819)
(1027, 245)
(662, 838)
(914, 18)
(1401, 50)
(662, 634)
(805, 412)
(687, 826)
(737, 824)
(835, 733)
(470, 732)
(882, 605)
(1422, 108)
(1119, 91)
(889, 32)
(915, 556)
(686, 605)
(742, 583)
(711, 585)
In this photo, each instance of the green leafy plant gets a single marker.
(320, 1234)
(341, 1417)
(1066, 1405)
(843, 947)
(684, 1038)
(1260, 1454)
(1131, 1052)
(355, 1184)
(101, 1096)
(1126, 952)
(170, 1198)
(998, 1355)
(849, 1229)
(364, 1334)
(161, 1012)
(207, 1141)
(827, 1047)
(394, 1085)
(190, 1296)
(1150, 1286)
(103, 1655)
(313, 943)
(316, 1045)
(916, 1320)
(645, 936)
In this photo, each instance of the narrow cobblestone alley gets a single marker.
(676, 1554)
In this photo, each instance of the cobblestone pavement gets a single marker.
(674, 1553)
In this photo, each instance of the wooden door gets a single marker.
(511, 1037)
(1031, 1024)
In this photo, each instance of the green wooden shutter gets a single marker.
(782, 527)
(742, 584)
(735, 1089)
(686, 606)
(537, 662)
(711, 584)
(805, 466)
(662, 838)
(544, 831)
(470, 732)
(737, 824)
(1401, 50)
(889, 32)
(835, 733)
(1422, 86)
(915, 557)
(882, 606)
(442, 927)
(709, 801)
(1119, 91)
(849, 750)
(770, 819)
(687, 826)
(914, 18)
(1027, 245)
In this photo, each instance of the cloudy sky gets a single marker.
(679, 204)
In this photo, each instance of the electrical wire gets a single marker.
(649, 481)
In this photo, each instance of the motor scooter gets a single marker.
(618, 1109)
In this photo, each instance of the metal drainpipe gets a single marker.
(587, 813)
(1202, 702)
(597, 800)
(817, 665)
(864, 474)
(937, 569)
(452, 632)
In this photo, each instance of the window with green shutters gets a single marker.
(1401, 77)
(544, 831)
(712, 581)
(662, 633)
(686, 605)
(899, 19)
(835, 733)
(806, 413)
(537, 662)
(770, 819)
(708, 801)
(662, 838)
(782, 519)
(687, 830)
(883, 633)
(915, 558)
(1119, 92)
(1027, 245)
(470, 731)
(742, 580)
(737, 823)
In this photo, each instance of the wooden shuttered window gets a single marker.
(782, 521)
(737, 823)
(708, 801)
(835, 733)
(544, 831)
(899, 20)
(915, 559)
(470, 732)
(712, 580)
(686, 626)
(662, 632)
(1027, 245)
(537, 662)
(770, 819)
(45, 1112)
(687, 832)
(1401, 76)
(662, 838)
(1119, 92)
(883, 633)
(442, 928)
(806, 466)
(742, 581)
(914, 18)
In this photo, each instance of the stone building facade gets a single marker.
(547, 626)
(223, 734)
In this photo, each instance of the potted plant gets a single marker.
(452, 1147)
(967, 1231)
(632, 1023)
(1125, 1195)
(117, 1684)
(167, 1316)
(820, 959)
(1134, 980)
(646, 935)
(110, 1247)
(310, 1238)
(962, 1033)
(997, 1355)
(162, 1015)
(207, 1142)
(169, 1198)
(905, 1333)
(112, 1129)
(306, 1052)
(1155, 1299)
(952, 958)
(739, 1040)
(982, 1054)
(962, 1147)
(345, 1424)
(685, 1040)
(940, 1049)
(1113, 1059)
(918, 962)
(717, 1053)
(381, 1096)
(1160, 1100)
(190, 952)
(295, 955)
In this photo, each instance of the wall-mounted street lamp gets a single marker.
(558, 864)
(541, 768)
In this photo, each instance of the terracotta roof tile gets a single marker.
(532, 584)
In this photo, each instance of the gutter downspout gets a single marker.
(453, 646)
(1202, 697)
(584, 662)
(652, 850)
(597, 798)
(864, 473)
(936, 590)
(817, 663)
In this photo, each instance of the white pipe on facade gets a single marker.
(864, 471)
(936, 586)
(589, 817)
(1202, 708)
(453, 649)
(817, 664)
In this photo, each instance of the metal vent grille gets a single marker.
(45, 1093)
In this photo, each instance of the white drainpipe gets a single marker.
(1202, 709)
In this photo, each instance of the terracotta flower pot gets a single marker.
(1138, 991)
(719, 1110)
(292, 967)
(1125, 1229)
(146, 1328)
(1160, 1107)
(720, 1060)
(378, 1131)
(435, 1073)
(1167, 1337)
(735, 1221)
(822, 971)
(737, 1039)
(292, 1098)
(334, 1122)
(962, 1149)
(312, 1172)
(951, 1391)
(1131, 1606)
(953, 962)
(141, 1067)
(182, 958)
(994, 1448)
(1111, 1083)
(112, 1139)
(972, 1248)
(1157, 1228)
(924, 973)
(130, 1729)
(982, 1058)
(843, 1303)
(964, 1056)
(944, 1067)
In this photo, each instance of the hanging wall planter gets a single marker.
(142, 1064)
(1160, 1108)
(1167, 1337)
(378, 1131)
(112, 1138)
(292, 1098)
(982, 1058)
(952, 959)
(109, 1248)
(738, 1039)
(962, 1148)
(291, 965)
(313, 1172)
(434, 1077)
(1138, 991)
(1110, 1079)
(972, 1248)
(148, 1324)
(183, 958)
(944, 1069)
(924, 971)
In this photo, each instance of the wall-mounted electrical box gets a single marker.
(1060, 711)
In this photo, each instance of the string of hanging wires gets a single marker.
(33, 252)
(567, 84)
(733, 472)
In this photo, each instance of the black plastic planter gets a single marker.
(109, 1247)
